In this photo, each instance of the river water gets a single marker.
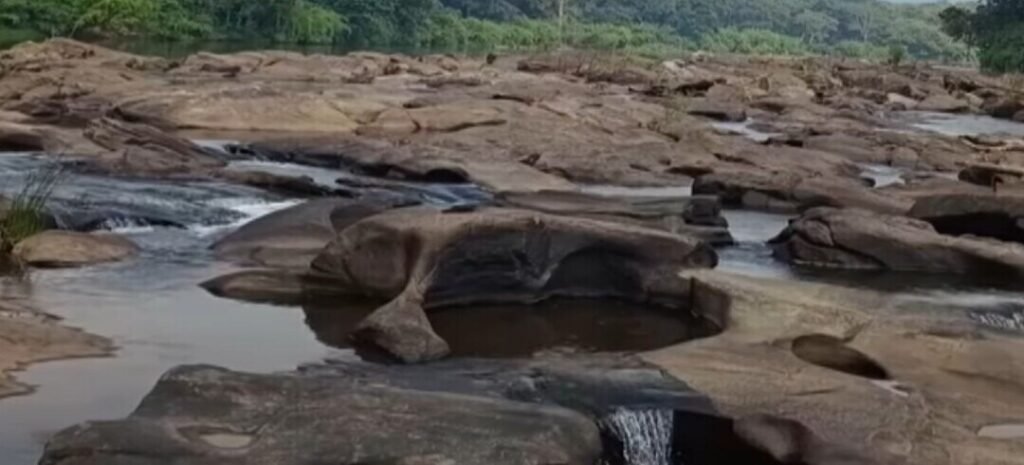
(152, 308)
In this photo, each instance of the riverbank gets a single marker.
(878, 206)
(28, 336)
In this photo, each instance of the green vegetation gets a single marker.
(857, 27)
(995, 27)
(24, 215)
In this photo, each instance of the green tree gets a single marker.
(814, 26)
(995, 27)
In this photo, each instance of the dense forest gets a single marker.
(867, 28)
(995, 27)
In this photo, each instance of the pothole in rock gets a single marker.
(832, 353)
(673, 437)
(513, 330)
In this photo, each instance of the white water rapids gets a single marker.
(646, 435)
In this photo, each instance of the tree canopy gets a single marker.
(995, 27)
(749, 26)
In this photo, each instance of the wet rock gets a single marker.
(317, 418)
(277, 286)
(696, 216)
(140, 148)
(789, 191)
(943, 103)
(292, 237)
(422, 258)
(983, 215)
(292, 186)
(63, 249)
(858, 239)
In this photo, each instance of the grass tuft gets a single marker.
(26, 213)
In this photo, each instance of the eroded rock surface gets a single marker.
(423, 258)
(984, 215)
(858, 239)
(945, 376)
(472, 411)
(299, 419)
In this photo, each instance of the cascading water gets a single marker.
(646, 435)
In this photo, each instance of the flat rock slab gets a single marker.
(204, 415)
(859, 239)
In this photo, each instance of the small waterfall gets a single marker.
(646, 435)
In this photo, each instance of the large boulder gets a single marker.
(292, 237)
(572, 411)
(985, 215)
(204, 415)
(62, 249)
(859, 239)
(422, 258)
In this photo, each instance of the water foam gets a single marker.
(646, 435)
(249, 208)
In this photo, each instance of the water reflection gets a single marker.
(510, 330)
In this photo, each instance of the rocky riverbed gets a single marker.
(563, 258)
